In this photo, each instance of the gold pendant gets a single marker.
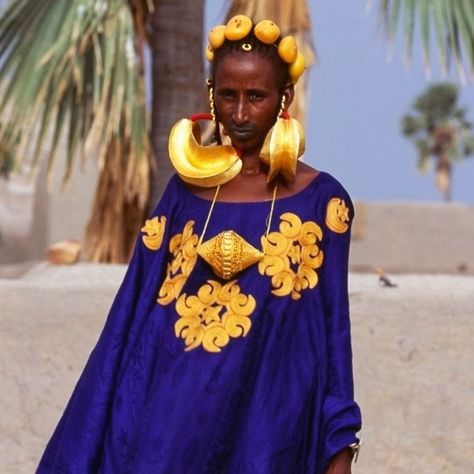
(228, 254)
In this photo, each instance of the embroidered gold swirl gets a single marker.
(337, 216)
(292, 256)
(213, 316)
(154, 230)
(183, 247)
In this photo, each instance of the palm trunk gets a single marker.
(119, 204)
(443, 177)
(444, 137)
(116, 216)
(178, 77)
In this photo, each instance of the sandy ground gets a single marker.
(413, 357)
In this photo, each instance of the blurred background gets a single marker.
(72, 174)
(89, 90)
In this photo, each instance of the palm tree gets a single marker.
(451, 20)
(440, 131)
(176, 33)
(76, 68)
(85, 78)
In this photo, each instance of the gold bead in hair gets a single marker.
(267, 32)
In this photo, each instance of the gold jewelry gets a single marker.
(267, 32)
(205, 166)
(282, 105)
(282, 147)
(355, 448)
(228, 253)
(211, 99)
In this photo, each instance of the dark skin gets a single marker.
(247, 100)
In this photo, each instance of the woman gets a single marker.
(227, 348)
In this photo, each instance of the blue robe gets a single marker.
(196, 374)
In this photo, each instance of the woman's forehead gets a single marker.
(243, 66)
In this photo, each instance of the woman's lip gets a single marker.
(242, 132)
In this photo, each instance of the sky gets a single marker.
(356, 101)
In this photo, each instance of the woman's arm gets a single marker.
(341, 462)
(341, 418)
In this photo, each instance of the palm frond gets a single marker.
(71, 67)
(293, 18)
(72, 72)
(451, 20)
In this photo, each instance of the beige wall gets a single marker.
(31, 217)
(398, 236)
(413, 237)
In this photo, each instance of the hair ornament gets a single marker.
(267, 32)
(209, 53)
(238, 27)
(216, 36)
(287, 49)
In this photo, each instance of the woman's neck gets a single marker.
(252, 165)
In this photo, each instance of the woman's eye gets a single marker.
(226, 94)
(254, 96)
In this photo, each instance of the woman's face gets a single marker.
(247, 99)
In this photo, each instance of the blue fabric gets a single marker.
(279, 400)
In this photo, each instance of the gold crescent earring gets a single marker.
(283, 145)
(205, 166)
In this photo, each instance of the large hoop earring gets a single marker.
(210, 89)
(283, 145)
(201, 165)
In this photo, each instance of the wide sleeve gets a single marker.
(76, 444)
(341, 417)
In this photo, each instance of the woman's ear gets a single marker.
(289, 94)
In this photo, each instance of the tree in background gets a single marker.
(83, 81)
(75, 69)
(176, 41)
(440, 131)
(72, 77)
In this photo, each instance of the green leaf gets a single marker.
(453, 24)
(82, 67)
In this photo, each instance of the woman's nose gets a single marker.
(240, 111)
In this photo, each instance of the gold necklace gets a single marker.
(228, 253)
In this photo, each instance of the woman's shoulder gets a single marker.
(319, 181)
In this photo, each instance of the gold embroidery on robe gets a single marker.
(154, 230)
(337, 216)
(292, 256)
(213, 316)
(183, 247)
